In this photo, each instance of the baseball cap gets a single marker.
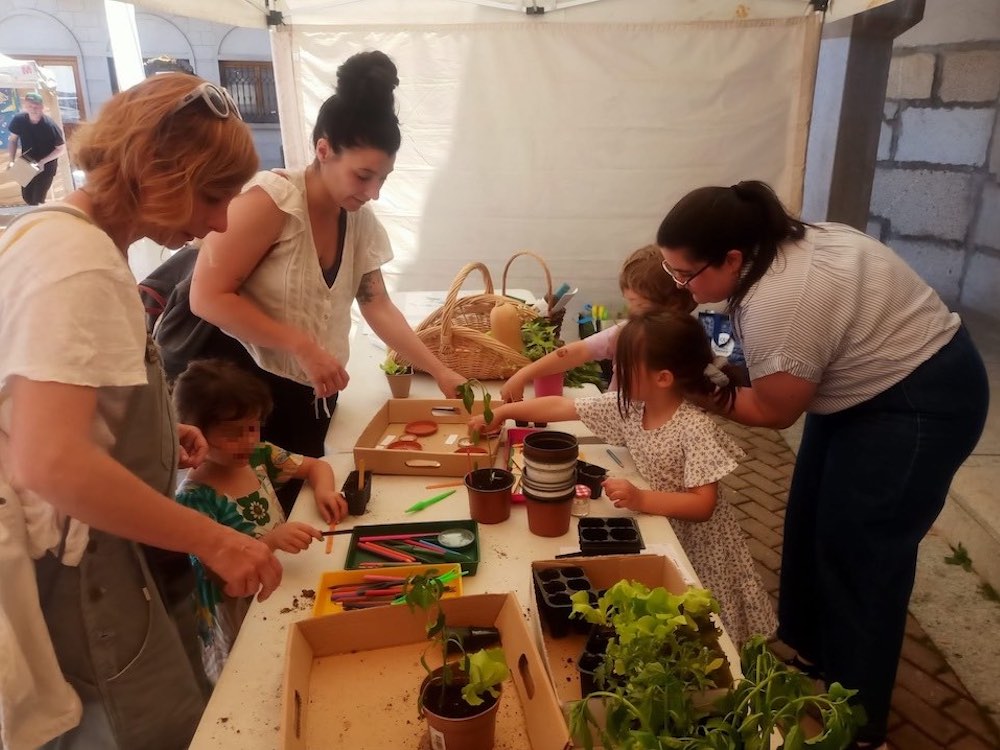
(33, 98)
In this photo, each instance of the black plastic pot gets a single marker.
(357, 500)
(550, 447)
(592, 476)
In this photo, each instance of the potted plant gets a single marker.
(489, 488)
(540, 338)
(399, 377)
(460, 698)
(663, 682)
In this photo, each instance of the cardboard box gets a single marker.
(560, 654)
(437, 457)
(352, 680)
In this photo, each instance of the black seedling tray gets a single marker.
(553, 589)
(592, 657)
(467, 556)
(609, 536)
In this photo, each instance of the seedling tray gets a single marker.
(553, 589)
(593, 657)
(609, 536)
(468, 557)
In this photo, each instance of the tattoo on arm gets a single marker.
(372, 286)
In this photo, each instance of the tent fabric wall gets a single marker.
(569, 139)
(253, 13)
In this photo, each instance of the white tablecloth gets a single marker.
(244, 711)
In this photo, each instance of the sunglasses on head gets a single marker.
(216, 98)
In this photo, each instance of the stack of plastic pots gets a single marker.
(549, 481)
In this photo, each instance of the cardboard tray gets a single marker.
(560, 654)
(468, 556)
(324, 606)
(438, 457)
(352, 680)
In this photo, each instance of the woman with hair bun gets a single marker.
(836, 326)
(300, 247)
(88, 445)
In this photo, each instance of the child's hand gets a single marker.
(623, 493)
(331, 505)
(513, 390)
(292, 536)
(478, 424)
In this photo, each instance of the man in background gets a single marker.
(41, 142)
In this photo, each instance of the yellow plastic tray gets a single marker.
(323, 605)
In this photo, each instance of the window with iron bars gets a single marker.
(251, 84)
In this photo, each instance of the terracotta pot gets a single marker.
(549, 517)
(399, 385)
(474, 732)
(549, 385)
(550, 447)
(489, 494)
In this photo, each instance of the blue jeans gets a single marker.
(868, 483)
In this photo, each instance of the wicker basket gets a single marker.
(458, 332)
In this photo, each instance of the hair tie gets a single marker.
(717, 376)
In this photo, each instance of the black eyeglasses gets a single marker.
(216, 98)
(679, 278)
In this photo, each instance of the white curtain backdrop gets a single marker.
(572, 140)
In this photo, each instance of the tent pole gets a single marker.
(865, 79)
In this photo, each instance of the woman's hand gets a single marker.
(448, 381)
(513, 390)
(325, 373)
(331, 506)
(246, 565)
(193, 446)
(291, 536)
(623, 493)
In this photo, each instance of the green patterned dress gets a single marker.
(255, 514)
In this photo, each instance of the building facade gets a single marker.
(71, 38)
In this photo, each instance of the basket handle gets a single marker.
(548, 276)
(448, 309)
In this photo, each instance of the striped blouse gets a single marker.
(841, 309)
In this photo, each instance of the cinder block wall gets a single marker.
(936, 195)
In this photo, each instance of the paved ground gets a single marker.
(931, 708)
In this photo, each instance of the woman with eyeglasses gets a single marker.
(88, 443)
(300, 248)
(836, 326)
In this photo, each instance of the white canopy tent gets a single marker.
(570, 132)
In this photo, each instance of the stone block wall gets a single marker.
(936, 194)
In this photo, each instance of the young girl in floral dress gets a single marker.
(662, 359)
(236, 486)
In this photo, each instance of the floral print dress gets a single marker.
(255, 514)
(690, 451)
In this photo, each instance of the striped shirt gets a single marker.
(840, 309)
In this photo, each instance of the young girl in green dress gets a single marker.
(236, 485)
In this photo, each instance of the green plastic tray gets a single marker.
(468, 557)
